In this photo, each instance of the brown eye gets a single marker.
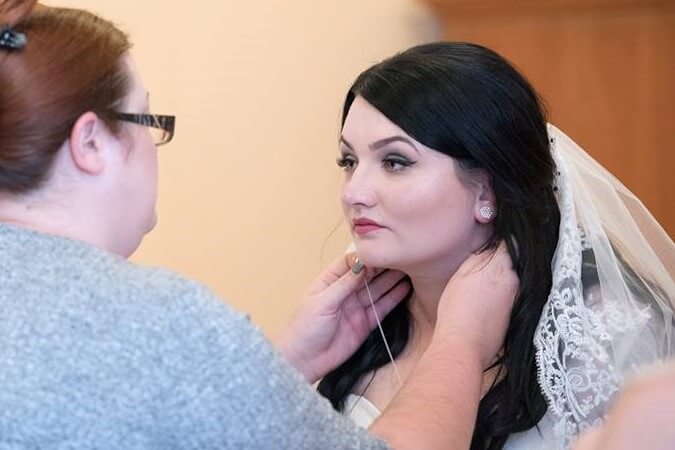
(396, 163)
(346, 162)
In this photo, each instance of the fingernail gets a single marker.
(358, 267)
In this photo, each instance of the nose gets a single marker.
(359, 189)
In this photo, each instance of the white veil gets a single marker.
(610, 310)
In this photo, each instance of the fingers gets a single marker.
(339, 283)
(501, 270)
(337, 269)
(342, 265)
(496, 261)
(382, 283)
(590, 440)
(388, 302)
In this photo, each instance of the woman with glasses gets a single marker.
(96, 352)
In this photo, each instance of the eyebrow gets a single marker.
(382, 142)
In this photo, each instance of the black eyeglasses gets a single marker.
(161, 127)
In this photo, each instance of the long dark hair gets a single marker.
(469, 103)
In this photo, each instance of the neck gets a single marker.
(428, 286)
(424, 302)
(430, 279)
(37, 213)
(423, 310)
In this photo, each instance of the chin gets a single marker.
(129, 247)
(371, 257)
(148, 224)
(135, 238)
(152, 223)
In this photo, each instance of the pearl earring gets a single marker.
(486, 212)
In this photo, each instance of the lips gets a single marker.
(364, 226)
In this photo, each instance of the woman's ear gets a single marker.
(85, 144)
(485, 208)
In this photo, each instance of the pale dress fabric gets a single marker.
(363, 413)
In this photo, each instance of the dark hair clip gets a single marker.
(10, 39)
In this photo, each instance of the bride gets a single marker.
(447, 152)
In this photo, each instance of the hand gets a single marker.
(336, 316)
(641, 415)
(475, 306)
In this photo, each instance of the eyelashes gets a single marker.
(346, 162)
(393, 163)
(396, 163)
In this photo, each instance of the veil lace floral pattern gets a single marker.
(573, 340)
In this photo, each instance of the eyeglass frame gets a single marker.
(165, 123)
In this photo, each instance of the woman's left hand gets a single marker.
(336, 316)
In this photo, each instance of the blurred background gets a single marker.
(249, 191)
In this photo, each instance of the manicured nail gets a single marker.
(358, 267)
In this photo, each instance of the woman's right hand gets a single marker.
(337, 316)
(475, 307)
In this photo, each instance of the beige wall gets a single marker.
(248, 188)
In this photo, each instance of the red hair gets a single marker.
(71, 64)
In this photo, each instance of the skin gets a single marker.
(103, 187)
(430, 219)
(102, 191)
(640, 418)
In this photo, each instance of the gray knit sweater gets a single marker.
(99, 353)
